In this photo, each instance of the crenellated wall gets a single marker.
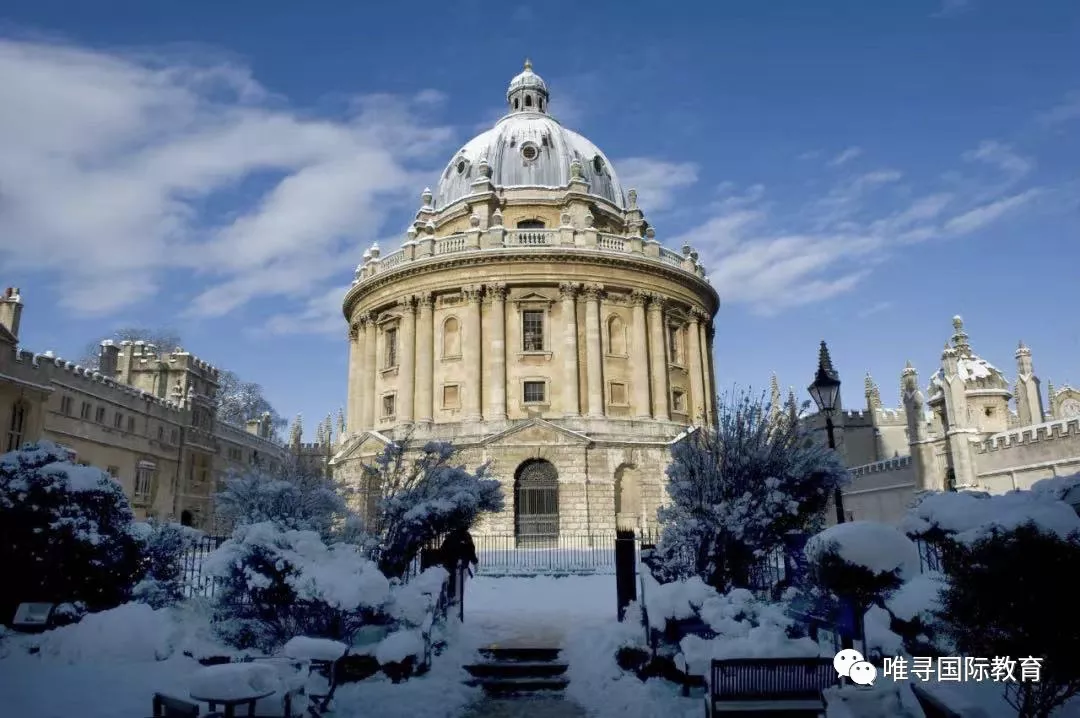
(1017, 458)
(881, 491)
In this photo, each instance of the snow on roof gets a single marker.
(969, 516)
(881, 548)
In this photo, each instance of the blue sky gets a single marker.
(853, 171)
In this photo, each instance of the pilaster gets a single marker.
(425, 358)
(367, 419)
(407, 382)
(698, 399)
(496, 406)
(639, 349)
(658, 358)
(472, 355)
(356, 373)
(594, 367)
(568, 291)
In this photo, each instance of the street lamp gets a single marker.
(826, 394)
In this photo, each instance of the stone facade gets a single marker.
(968, 431)
(532, 318)
(146, 417)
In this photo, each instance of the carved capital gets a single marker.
(699, 316)
(496, 292)
(657, 302)
(640, 298)
(365, 320)
(425, 300)
(408, 304)
(593, 292)
(569, 290)
(472, 294)
(354, 331)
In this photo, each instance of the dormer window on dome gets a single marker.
(527, 92)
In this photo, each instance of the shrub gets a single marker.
(276, 584)
(738, 489)
(65, 532)
(1005, 598)
(164, 546)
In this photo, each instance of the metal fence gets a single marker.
(511, 554)
(196, 581)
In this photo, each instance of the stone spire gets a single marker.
(1028, 390)
(328, 430)
(296, 432)
(960, 337)
(873, 394)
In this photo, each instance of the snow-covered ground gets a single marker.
(110, 664)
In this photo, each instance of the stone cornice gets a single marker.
(488, 257)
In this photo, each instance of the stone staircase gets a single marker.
(507, 672)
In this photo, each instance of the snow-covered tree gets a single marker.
(277, 583)
(424, 497)
(164, 546)
(736, 490)
(240, 401)
(1005, 598)
(290, 497)
(65, 531)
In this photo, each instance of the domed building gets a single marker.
(532, 318)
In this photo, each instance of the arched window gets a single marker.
(541, 104)
(531, 224)
(536, 503)
(616, 336)
(17, 428)
(515, 103)
(451, 338)
(528, 100)
(627, 497)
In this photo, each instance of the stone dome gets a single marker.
(528, 148)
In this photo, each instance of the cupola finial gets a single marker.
(528, 64)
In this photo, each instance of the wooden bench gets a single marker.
(791, 686)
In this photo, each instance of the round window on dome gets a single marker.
(529, 151)
(461, 167)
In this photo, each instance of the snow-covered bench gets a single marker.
(751, 685)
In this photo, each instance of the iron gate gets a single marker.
(536, 504)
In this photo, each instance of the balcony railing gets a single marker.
(515, 238)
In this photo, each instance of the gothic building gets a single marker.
(532, 317)
(969, 429)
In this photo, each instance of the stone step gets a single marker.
(511, 686)
(516, 669)
(528, 655)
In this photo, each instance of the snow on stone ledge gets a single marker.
(970, 516)
(315, 649)
(231, 681)
(398, 646)
(881, 548)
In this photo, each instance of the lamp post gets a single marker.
(826, 393)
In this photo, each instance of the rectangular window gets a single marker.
(18, 425)
(678, 401)
(65, 405)
(675, 354)
(390, 356)
(99, 415)
(451, 397)
(131, 424)
(173, 436)
(389, 406)
(118, 420)
(535, 392)
(144, 479)
(617, 394)
(84, 410)
(532, 330)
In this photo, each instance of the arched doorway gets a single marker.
(186, 519)
(628, 515)
(536, 503)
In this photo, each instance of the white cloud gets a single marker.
(873, 309)
(1069, 109)
(845, 156)
(984, 215)
(656, 181)
(111, 166)
(1002, 156)
(321, 314)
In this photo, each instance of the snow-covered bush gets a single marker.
(1005, 597)
(862, 561)
(65, 532)
(164, 545)
(737, 489)
(276, 584)
(423, 497)
(913, 609)
(291, 497)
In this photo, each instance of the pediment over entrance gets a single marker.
(536, 432)
(369, 443)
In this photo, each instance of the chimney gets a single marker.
(108, 358)
(11, 310)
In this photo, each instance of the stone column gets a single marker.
(496, 406)
(367, 420)
(698, 399)
(571, 406)
(594, 362)
(639, 357)
(658, 358)
(425, 358)
(356, 372)
(710, 372)
(407, 378)
(472, 355)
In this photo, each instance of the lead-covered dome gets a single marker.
(528, 148)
